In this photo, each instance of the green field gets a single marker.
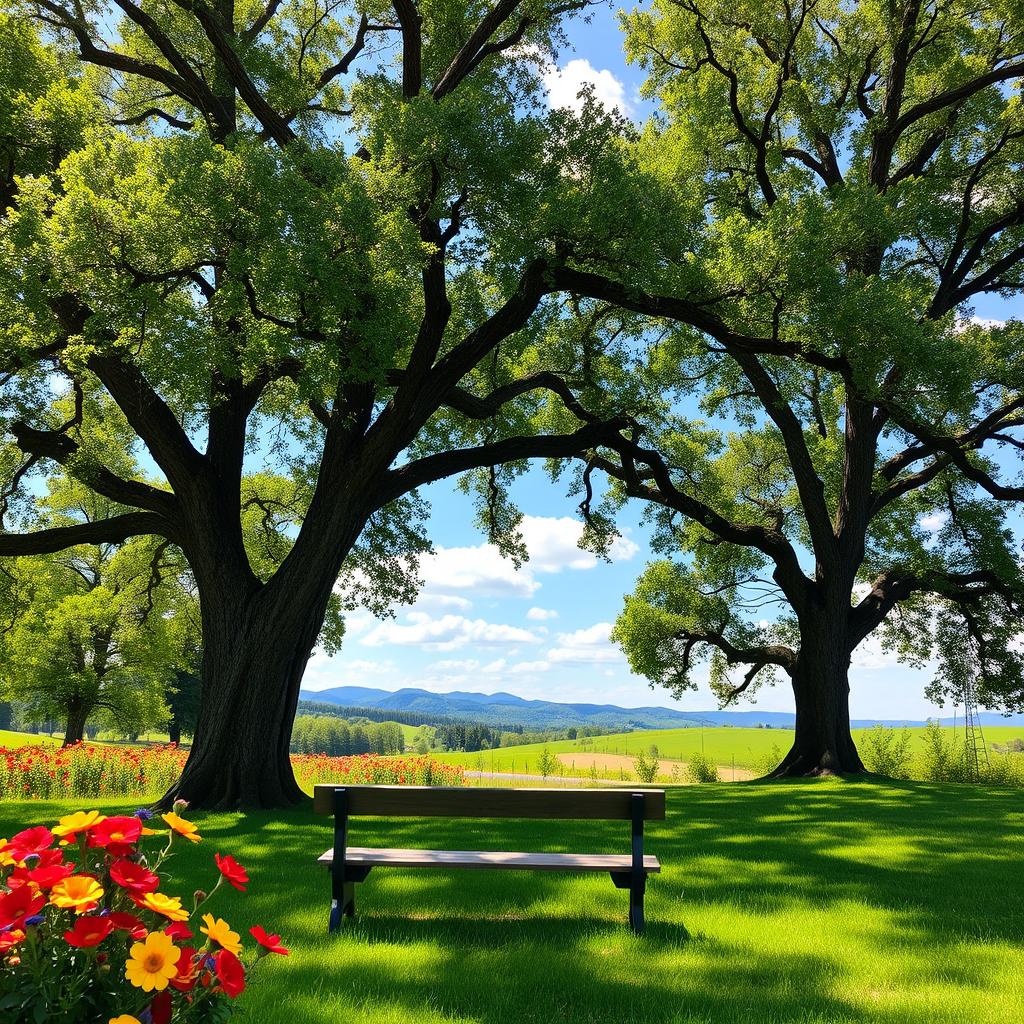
(823, 902)
(722, 745)
(25, 739)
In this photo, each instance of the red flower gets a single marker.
(118, 834)
(230, 973)
(88, 931)
(123, 922)
(178, 931)
(133, 877)
(232, 871)
(160, 1008)
(18, 904)
(271, 943)
(46, 878)
(32, 840)
(188, 971)
(9, 939)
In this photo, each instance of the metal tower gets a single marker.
(974, 738)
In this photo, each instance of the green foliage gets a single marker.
(702, 769)
(646, 766)
(885, 751)
(547, 763)
(316, 734)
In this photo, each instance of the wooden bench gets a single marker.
(349, 865)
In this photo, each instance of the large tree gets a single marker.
(87, 632)
(328, 235)
(852, 466)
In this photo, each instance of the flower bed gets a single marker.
(85, 771)
(372, 768)
(93, 939)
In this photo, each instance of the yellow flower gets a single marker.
(169, 906)
(182, 827)
(70, 825)
(78, 893)
(220, 932)
(152, 963)
(6, 859)
(125, 1018)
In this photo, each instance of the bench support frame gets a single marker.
(344, 876)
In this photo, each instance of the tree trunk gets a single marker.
(74, 729)
(256, 642)
(821, 688)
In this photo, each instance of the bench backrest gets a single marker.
(473, 802)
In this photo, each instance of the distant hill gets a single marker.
(508, 709)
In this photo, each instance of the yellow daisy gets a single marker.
(78, 893)
(169, 906)
(71, 824)
(220, 932)
(125, 1018)
(152, 963)
(182, 827)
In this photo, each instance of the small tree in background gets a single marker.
(547, 763)
(646, 765)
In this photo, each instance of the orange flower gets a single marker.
(9, 939)
(79, 893)
(184, 828)
(168, 906)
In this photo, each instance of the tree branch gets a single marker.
(115, 530)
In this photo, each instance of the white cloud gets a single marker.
(459, 574)
(935, 522)
(871, 655)
(541, 614)
(564, 85)
(447, 633)
(586, 646)
(526, 668)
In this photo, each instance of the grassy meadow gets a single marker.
(723, 745)
(824, 902)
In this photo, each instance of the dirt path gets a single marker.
(624, 762)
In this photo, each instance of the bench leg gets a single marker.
(636, 907)
(344, 907)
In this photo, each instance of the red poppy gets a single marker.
(271, 943)
(127, 923)
(178, 931)
(118, 834)
(88, 931)
(50, 857)
(32, 840)
(188, 971)
(160, 1008)
(230, 973)
(133, 877)
(232, 871)
(18, 904)
(46, 878)
(9, 939)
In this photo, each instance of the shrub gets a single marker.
(95, 940)
(701, 769)
(645, 766)
(939, 760)
(767, 763)
(887, 752)
(370, 768)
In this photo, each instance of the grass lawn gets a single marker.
(819, 902)
(720, 744)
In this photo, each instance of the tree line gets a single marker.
(328, 734)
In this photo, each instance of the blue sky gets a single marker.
(542, 632)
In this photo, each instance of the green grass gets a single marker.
(720, 744)
(822, 902)
(25, 739)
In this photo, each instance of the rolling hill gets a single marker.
(508, 709)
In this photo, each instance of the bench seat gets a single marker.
(366, 856)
